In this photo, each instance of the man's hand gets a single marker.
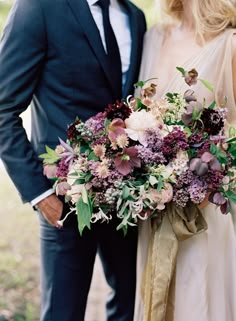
(51, 208)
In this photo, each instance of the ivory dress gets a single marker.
(205, 275)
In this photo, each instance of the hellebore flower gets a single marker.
(218, 199)
(189, 96)
(127, 160)
(201, 165)
(198, 166)
(192, 108)
(149, 90)
(213, 162)
(190, 77)
(62, 188)
(50, 171)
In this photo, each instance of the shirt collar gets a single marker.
(114, 3)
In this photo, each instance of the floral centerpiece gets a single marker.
(142, 153)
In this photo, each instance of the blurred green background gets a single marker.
(19, 246)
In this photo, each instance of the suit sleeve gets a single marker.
(22, 55)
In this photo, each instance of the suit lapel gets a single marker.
(134, 63)
(82, 13)
(84, 17)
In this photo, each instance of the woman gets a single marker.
(202, 286)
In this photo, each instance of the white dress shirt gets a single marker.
(121, 26)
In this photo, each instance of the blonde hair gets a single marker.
(210, 17)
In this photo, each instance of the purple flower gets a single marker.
(96, 123)
(197, 190)
(62, 168)
(127, 160)
(192, 108)
(181, 197)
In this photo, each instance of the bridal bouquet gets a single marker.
(140, 154)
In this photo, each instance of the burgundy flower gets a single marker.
(72, 132)
(127, 160)
(212, 121)
(118, 110)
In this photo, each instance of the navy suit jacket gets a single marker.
(51, 56)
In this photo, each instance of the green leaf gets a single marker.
(232, 150)
(107, 122)
(187, 131)
(181, 70)
(84, 213)
(231, 195)
(219, 154)
(92, 156)
(88, 177)
(207, 84)
(84, 148)
(140, 105)
(212, 105)
(160, 184)
(232, 131)
(231, 140)
(139, 84)
(125, 192)
(51, 157)
(196, 114)
(85, 195)
(79, 181)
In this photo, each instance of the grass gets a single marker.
(4, 9)
(19, 263)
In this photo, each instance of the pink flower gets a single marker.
(127, 160)
(50, 171)
(62, 188)
(117, 134)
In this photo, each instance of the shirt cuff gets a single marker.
(39, 198)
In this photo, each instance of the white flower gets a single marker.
(138, 123)
(75, 192)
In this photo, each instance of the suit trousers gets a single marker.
(67, 261)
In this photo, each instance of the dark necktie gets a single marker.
(113, 53)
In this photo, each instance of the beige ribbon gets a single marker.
(175, 224)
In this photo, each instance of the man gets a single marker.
(61, 56)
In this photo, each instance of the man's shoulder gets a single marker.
(133, 6)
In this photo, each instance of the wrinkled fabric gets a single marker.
(200, 282)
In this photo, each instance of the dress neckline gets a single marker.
(190, 62)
